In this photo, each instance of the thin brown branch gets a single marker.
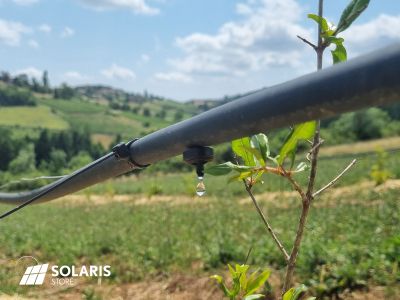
(296, 186)
(296, 247)
(266, 223)
(307, 42)
(321, 141)
(335, 179)
(313, 172)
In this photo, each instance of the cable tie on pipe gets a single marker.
(121, 152)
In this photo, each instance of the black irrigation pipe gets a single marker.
(369, 80)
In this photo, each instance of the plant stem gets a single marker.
(266, 223)
(333, 181)
(313, 172)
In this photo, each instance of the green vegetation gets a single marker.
(31, 117)
(16, 97)
(350, 243)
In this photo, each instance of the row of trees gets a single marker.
(50, 152)
(64, 91)
(23, 80)
(13, 96)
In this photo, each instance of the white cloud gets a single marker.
(173, 76)
(31, 72)
(118, 72)
(243, 9)
(33, 44)
(12, 32)
(75, 76)
(137, 6)
(25, 2)
(373, 34)
(265, 37)
(45, 28)
(67, 32)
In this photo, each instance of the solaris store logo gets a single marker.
(34, 275)
(61, 275)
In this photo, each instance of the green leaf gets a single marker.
(334, 40)
(254, 283)
(218, 170)
(222, 285)
(339, 54)
(301, 131)
(260, 142)
(232, 271)
(238, 147)
(321, 21)
(242, 271)
(351, 13)
(225, 168)
(253, 297)
(294, 293)
(240, 176)
(256, 153)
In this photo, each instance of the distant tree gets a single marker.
(361, 125)
(6, 148)
(161, 114)
(80, 160)
(114, 105)
(21, 80)
(45, 81)
(64, 92)
(24, 162)
(5, 77)
(96, 150)
(146, 112)
(36, 87)
(64, 141)
(178, 115)
(57, 162)
(13, 96)
(42, 147)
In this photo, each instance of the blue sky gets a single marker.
(177, 48)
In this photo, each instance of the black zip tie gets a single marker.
(122, 152)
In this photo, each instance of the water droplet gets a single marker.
(200, 188)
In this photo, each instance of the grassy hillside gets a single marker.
(32, 117)
(104, 116)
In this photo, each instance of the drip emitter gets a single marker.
(198, 156)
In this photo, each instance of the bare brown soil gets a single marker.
(176, 287)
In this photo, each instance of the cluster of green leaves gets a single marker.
(329, 32)
(244, 287)
(255, 154)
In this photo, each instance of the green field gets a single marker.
(159, 227)
(96, 116)
(353, 244)
(32, 117)
(184, 183)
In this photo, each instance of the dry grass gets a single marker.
(104, 139)
(362, 147)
